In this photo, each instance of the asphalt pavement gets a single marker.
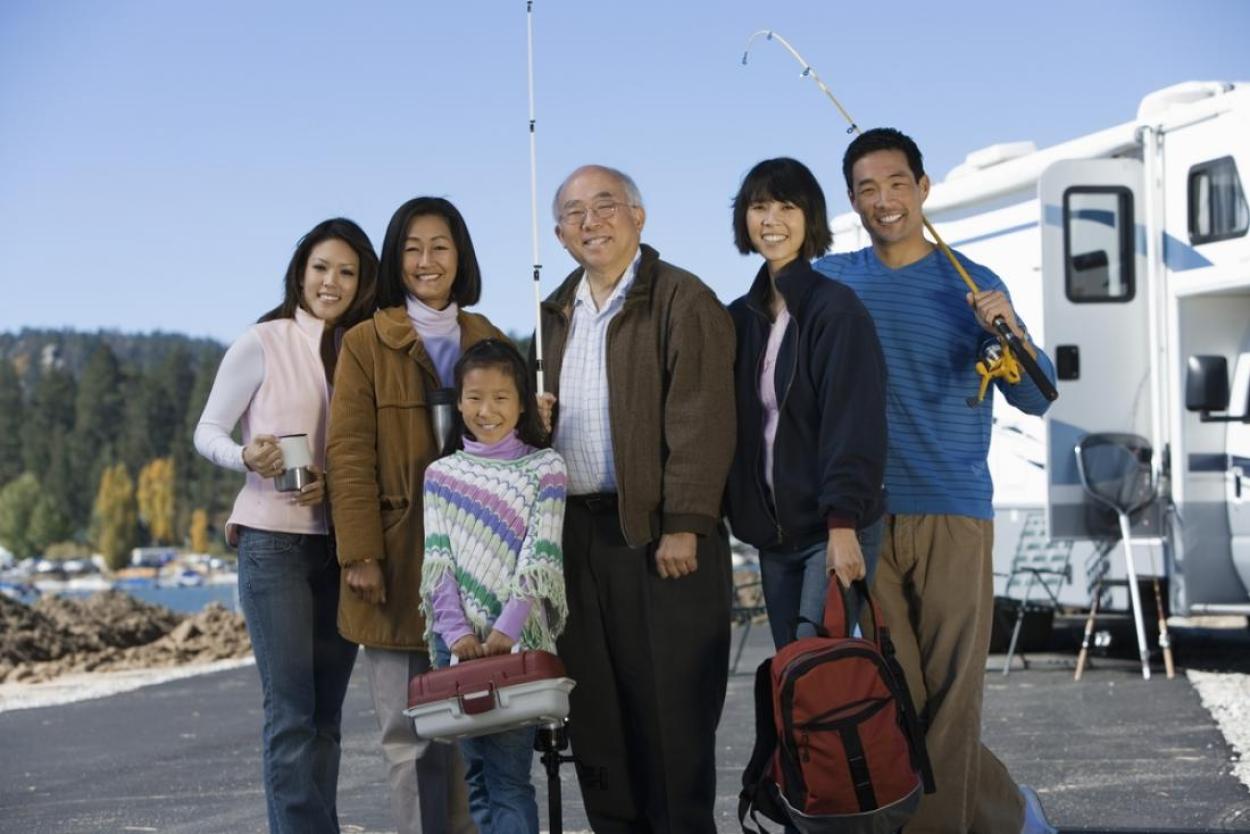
(1112, 752)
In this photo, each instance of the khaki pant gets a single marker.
(935, 589)
(428, 791)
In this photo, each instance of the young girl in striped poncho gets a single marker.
(493, 573)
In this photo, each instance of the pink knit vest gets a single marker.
(294, 398)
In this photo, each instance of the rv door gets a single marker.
(1095, 303)
(1237, 484)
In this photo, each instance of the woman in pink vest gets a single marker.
(275, 382)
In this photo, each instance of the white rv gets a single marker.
(1126, 252)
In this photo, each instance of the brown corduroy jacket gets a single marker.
(380, 441)
(670, 356)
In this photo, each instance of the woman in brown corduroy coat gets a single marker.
(381, 440)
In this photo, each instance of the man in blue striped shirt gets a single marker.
(934, 579)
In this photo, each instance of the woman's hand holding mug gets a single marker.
(264, 456)
(313, 492)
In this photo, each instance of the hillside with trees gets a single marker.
(95, 443)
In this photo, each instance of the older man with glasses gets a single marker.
(640, 356)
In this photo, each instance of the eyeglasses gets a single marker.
(602, 210)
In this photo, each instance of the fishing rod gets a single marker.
(999, 360)
(538, 296)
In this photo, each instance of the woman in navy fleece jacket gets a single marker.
(806, 483)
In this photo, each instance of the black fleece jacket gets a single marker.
(829, 453)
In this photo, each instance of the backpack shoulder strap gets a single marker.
(755, 775)
(913, 728)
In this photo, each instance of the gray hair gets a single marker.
(632, 194)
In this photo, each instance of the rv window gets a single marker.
(1217, 205)
(1098, 243)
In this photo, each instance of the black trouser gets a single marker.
(651, 660)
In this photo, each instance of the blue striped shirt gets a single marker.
(937, 444)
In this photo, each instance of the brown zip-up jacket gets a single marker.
(670, 356)
(381, 439)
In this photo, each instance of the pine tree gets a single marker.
(114, 520)
(11, 420)
(98, 411)
(156, 499)
(49, 419)
(199, 482)
(61, 487)
(135, 444)
(99, 407)
(172, 385)
(17, 504)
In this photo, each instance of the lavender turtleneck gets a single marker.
(509, 448)
(440, 333)
(449, 620)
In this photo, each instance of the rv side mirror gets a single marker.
(1206, 384)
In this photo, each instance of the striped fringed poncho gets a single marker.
(496, 526)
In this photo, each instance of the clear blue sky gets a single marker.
(158, 160)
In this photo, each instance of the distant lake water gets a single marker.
(182, 600)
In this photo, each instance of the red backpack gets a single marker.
(838, 747)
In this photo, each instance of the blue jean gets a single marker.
(795, 584)
(289, 592)
(497, 768)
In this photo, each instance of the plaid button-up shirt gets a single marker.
(583, 433)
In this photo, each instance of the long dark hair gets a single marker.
(336, 228)
(467, 288)
(501, 355)
(339, 228)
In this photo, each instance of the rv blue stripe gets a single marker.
(1178, 256)
(1010, 230)
(1181, 257)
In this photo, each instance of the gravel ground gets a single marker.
(1227, 697)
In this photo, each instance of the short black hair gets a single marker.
(882, 139)
(502, 355)
(466, 289)
(336, 228)
(789, 181)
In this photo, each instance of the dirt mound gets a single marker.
(109, 619)
(29, 635)
(110, 631)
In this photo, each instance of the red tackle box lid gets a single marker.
(498, 670)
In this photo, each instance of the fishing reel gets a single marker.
(995, 360)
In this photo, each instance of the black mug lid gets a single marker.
(443, 396)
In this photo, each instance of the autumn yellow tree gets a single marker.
(199, 531)
(115, 517)
(156, 499)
